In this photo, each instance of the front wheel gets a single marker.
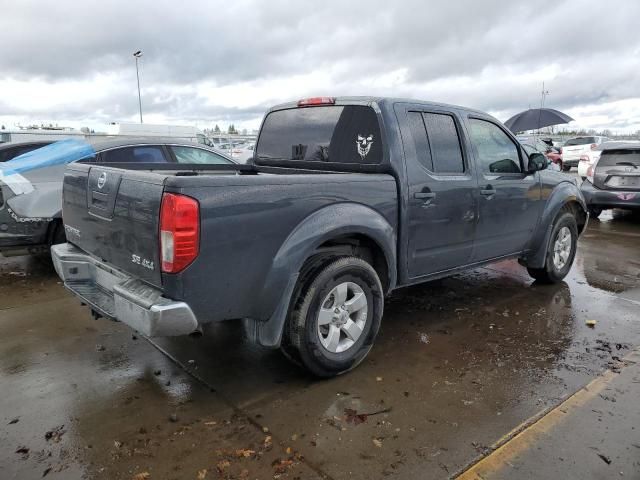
(560, 252)
(566, 168)
(335, 317)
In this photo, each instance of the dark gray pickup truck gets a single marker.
(346, 199)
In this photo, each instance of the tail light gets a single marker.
(309, 102)
(593, 146)
(179, 232)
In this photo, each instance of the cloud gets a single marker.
(207, 62)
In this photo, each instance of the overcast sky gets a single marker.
(214, 62)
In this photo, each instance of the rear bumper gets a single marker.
(609, 198)
(114, 294)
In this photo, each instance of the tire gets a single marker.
(566, 168)
(555, 270)
(317, 313)
(594, 212)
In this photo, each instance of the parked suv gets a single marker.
(613, 181)
(575, 147)
(347, 199)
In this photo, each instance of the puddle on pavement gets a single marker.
(459, 363)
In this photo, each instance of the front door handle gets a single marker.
(488, 192)
(424, 195)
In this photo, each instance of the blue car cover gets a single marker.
(58, 153)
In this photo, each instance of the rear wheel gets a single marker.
(560, 252)
(566, 168)
(335, 317)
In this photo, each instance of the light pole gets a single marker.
(137, 55)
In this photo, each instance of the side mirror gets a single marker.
(537, 162)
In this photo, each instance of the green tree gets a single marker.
(216, 129)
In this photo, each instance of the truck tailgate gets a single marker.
(113, 214)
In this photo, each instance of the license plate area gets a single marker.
(623, 181)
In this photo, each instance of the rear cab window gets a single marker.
(332, 134)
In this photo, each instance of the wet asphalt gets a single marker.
(459, 368)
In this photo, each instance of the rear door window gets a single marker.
(141, 154)
(437, 142)
(421, 142)
(444, 142)
(332, 134)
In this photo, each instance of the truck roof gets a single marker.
(368, 100)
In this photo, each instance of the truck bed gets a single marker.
(246, 216)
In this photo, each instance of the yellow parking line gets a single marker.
(533, 431)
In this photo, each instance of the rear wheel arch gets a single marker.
(346, 229)
(361, 246)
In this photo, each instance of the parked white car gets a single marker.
(576, 147)
(242, 153)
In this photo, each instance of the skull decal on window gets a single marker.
(364, 145)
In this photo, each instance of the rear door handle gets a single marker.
(427, 197)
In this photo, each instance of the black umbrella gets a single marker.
(536, 118)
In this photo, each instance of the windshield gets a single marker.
(580, 141)
(336, 134)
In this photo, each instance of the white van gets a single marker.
(182, 132)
